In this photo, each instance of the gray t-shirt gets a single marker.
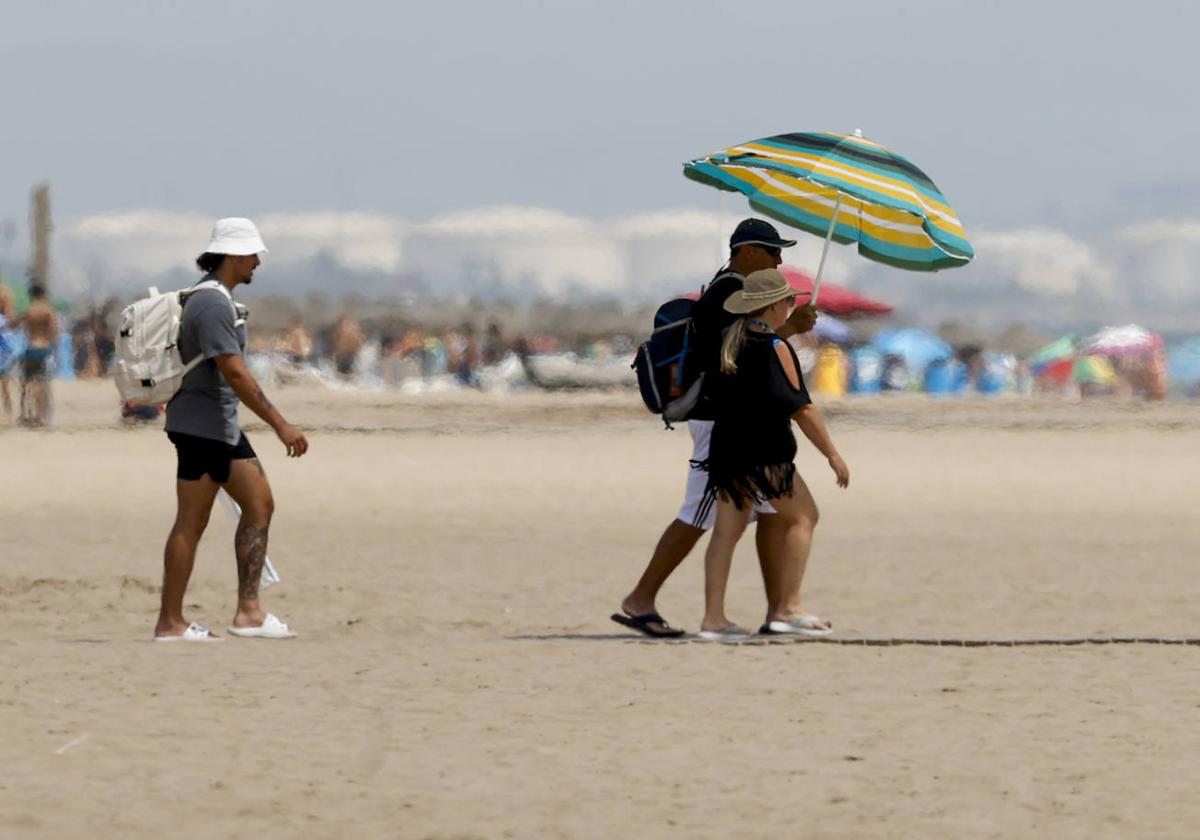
(206, 406)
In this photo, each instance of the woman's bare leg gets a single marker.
(786, 547)
(728, 529)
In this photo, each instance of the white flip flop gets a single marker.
(810, 625)
(194, 633)
(732, 633)
(271, 628)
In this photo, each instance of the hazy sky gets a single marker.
(1072, 114)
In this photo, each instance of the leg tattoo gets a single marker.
(259, 465)
(250, 546)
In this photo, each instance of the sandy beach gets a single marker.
(450, 562)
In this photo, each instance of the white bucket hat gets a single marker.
(236, 237)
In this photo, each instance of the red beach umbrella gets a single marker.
(835, 300)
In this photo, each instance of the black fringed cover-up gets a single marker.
(753, 447)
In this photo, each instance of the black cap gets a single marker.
(758, 232)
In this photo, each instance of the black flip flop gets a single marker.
(642, 623)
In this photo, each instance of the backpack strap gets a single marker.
(240, 312)
(671, 325)
(188, 367)
(721, 275)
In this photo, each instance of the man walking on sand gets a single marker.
(783, 546)
(202, 422)
(40, 323)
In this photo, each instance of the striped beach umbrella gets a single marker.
(845, 188)
(1093, 370)
(1055, 361)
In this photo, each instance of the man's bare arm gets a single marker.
(802, 319)
(243, 383)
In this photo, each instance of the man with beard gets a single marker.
(202, 422)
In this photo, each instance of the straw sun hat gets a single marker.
(762, 288)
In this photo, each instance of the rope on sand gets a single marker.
(897, 641)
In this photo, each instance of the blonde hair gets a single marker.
(735, 340)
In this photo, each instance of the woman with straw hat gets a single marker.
(757, 396)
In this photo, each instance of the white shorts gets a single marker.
(697, 481)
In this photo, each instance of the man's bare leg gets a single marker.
(674, 545)
(195, 500)
(24, 417)
(5, 395)
(249, 487)
(41, 404)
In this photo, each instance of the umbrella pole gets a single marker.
(825, 250)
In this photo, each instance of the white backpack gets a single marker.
(149, 368)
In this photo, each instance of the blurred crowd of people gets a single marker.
(384, 353)
(390, 355)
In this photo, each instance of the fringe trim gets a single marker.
(755, 483)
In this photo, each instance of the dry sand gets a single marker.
(451, 563)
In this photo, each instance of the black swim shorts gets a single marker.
(198, 456)
(36, 363)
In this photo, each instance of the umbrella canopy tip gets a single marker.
(858, 133)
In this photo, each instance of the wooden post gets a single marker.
(39, 226)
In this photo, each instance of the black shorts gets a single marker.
(36, 363)
(198, 456)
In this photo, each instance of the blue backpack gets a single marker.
(667, 365)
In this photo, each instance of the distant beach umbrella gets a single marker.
(835, 300)
(916, 347)
(1056, 360)
(1129, 340)
(845, 188)
(1093, 370)
(1063, 361)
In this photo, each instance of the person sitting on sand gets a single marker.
(751, 457)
